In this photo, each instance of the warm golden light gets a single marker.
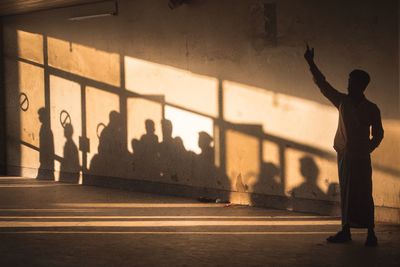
(27, 185)
(84, 61)
(99, 104)
(174, 223)
(187, 126)
(140, 110)
(387, 186)
(242, 163)
(243, 160)
(65, 102)
(28, 100)
(32, 85)
(312, 179)
(287, 117)
(180, 87)
(226, 233)
(30, 46)
(139, 205)
(165, 217)
(265, 142)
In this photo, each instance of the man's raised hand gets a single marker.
(309, 54)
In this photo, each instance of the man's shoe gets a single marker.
(372, 240)
(340, 237)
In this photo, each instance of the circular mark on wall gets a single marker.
(65, 118)
(100, 128)
(23, 102)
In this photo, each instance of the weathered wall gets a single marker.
(233, 70)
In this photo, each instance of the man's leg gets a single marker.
(344, 235)
(372, 240)
(366, 201)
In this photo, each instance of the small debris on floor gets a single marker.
(212, 200)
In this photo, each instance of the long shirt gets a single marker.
(360, 128)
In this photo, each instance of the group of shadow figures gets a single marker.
(166, 161)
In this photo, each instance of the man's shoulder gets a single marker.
(371, 105)
(372, 109)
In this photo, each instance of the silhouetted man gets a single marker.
(207, 150)
(150, 139)
(147, 160)
(69, 167)
(358, 119)
(112, 157)
(46, 147)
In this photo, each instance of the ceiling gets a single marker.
(13, 7)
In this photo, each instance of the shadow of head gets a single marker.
(43, 114)
(205, 140)
(150, 128)
(115, 119)
(166, 128)
(269, 170)
(309, 169)
(68, 131)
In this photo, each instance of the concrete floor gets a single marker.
(52, 224)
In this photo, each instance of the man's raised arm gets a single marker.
(326, 89)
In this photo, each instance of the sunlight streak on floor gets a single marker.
(177, 233)
(167, 217)
(41, 224)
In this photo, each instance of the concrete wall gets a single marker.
(231, 69)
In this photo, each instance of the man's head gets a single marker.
(42, 112)
(166, 127)
(68, 131)
(204, 140)
(115, 119)
(358, 82)
(150, 129)
(309, 169)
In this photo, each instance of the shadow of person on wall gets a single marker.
(146, 154)
(69, 168)
(185, 161)
(172, 154)
(112, 158)
(205, 172)
(269, 181)
(309, 188)
(207, 150)
(204, 169)
(135, 168)
(46, 147)
(150, 139)
(306, 193)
